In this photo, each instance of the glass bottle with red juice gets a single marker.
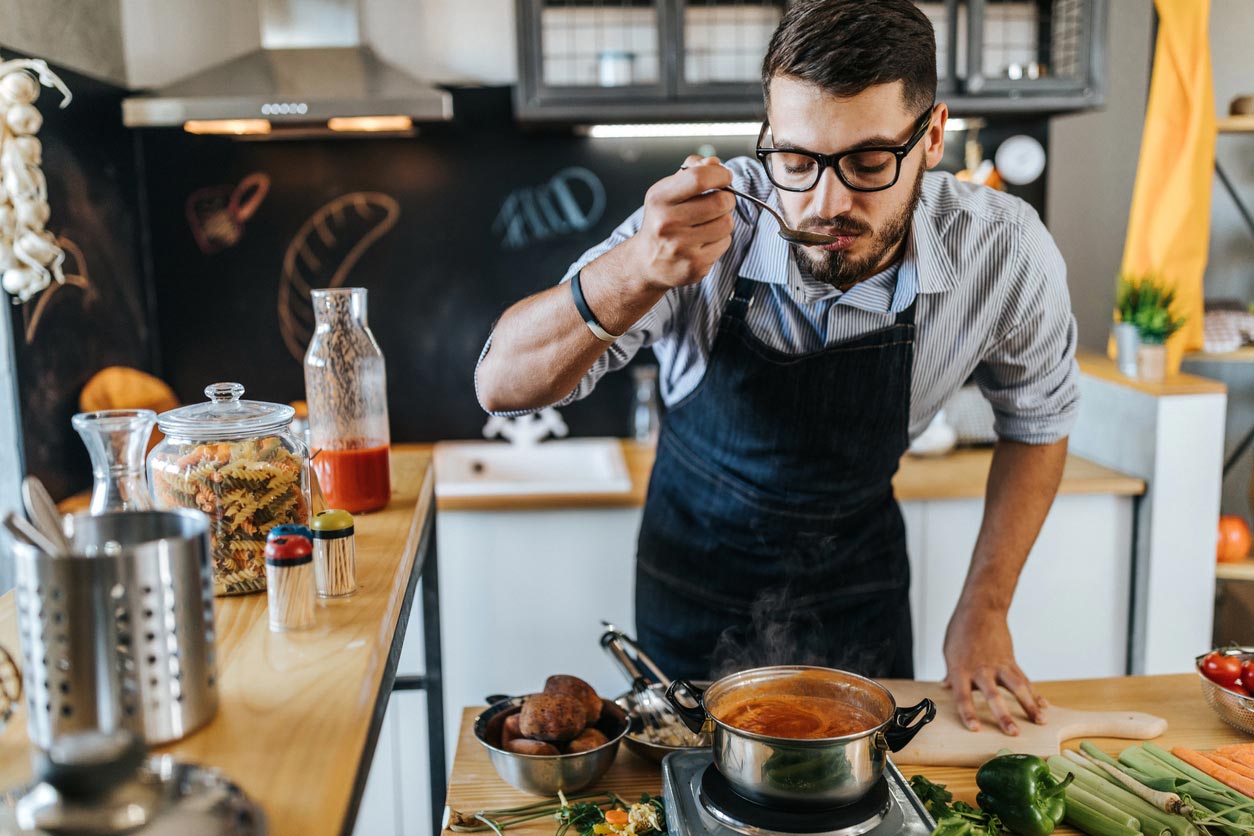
(346, 389)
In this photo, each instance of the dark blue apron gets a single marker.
(770, 531)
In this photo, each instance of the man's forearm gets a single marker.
(541, 347)
(1022, 483)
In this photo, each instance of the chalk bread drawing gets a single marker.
(75, 269)
(216, 214)
(324, 252)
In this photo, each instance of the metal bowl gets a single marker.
(637, 743)
(1234, 709)
(546, 774)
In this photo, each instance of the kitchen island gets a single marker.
(299, 713)
(474, 784)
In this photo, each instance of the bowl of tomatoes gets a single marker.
(1227, 676)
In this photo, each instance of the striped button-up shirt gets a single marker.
(992, 306)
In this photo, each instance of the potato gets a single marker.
(510, 730)
(551, 717)
(573, 686)
(587, 739)
(523, 746)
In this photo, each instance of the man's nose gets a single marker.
(832, 197)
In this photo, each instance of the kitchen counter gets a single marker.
(300, 712)
(958, 475)
(474, 784)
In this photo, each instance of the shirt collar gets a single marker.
(926, 266)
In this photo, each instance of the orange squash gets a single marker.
(1234, 539)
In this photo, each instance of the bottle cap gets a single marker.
(290, 530)
(288, 551)
(331, 524)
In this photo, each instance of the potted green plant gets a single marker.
(1149, 309)
(1127, 338)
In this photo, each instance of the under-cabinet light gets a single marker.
(228, 127)
(370, 124)
(676, 129)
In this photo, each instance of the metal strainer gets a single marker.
(1234, 709)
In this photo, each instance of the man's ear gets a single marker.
(934, 142)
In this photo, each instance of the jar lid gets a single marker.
(331, 523)
(225, 416)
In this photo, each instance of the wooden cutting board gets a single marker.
(946, 742)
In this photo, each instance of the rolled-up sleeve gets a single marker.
(647, 330)
(1028, 373)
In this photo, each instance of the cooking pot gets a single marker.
(800, 773)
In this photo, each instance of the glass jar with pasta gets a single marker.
(238, 462)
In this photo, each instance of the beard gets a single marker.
(843, 271)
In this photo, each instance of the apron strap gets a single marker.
(741, 298)
(906, 317)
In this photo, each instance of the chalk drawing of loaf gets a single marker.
(323, 253)
(76, 275)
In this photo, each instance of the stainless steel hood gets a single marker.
(312, 68)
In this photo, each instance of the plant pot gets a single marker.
(1152, 362)
(1127, 343)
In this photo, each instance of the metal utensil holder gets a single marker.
(119, 633)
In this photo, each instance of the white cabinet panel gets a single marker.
(413, 787)
(380, 811)
(522, 596)
(1070, 615)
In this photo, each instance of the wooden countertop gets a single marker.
(958, 475)
(298, 711)
(474, 784)
(1103, 368)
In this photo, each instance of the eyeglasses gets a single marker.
(862, 169)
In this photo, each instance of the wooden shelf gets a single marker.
(1243, 571)
(1244, 354)
(1237, 124)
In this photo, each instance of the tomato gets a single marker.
(1224, 670)
(1247, 674)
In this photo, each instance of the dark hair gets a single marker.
(846, 46)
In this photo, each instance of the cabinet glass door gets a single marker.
(722, 43)
(1033, 46)
(602, 48)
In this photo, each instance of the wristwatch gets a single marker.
(586, 314)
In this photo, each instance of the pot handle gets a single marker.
(694, 718)
(900, 732)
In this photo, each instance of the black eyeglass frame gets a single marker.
(899, 152)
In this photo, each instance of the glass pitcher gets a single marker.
(116, 440)
(346, 390)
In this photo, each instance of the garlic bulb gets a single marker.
(29, 256)
(18, 88)
(33, 214)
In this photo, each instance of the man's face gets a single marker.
(872, 225)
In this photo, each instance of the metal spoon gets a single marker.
(43, 512)
(792, 236)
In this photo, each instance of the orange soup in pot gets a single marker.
(796, 716)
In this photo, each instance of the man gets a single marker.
(795, 376)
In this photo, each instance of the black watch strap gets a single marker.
(585, 313)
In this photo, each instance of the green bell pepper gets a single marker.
(1020, 791)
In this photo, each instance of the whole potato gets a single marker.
(511, 729)
(573, 686)
(552, 717)
(587, 739)
(523, 746)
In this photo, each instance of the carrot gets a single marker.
(1234, 765)
(617, 817)
(1241, 754)
(1238, 782)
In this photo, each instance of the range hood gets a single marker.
(313, 75)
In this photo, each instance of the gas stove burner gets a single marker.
(732, 810)
(699, 802)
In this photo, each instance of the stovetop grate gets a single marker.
(682, 774)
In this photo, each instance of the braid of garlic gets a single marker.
(29, 256)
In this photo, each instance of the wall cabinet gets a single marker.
(678, 60)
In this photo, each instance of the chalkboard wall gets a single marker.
(452, 226)
(99, 317)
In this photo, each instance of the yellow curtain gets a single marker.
(1169, 223)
